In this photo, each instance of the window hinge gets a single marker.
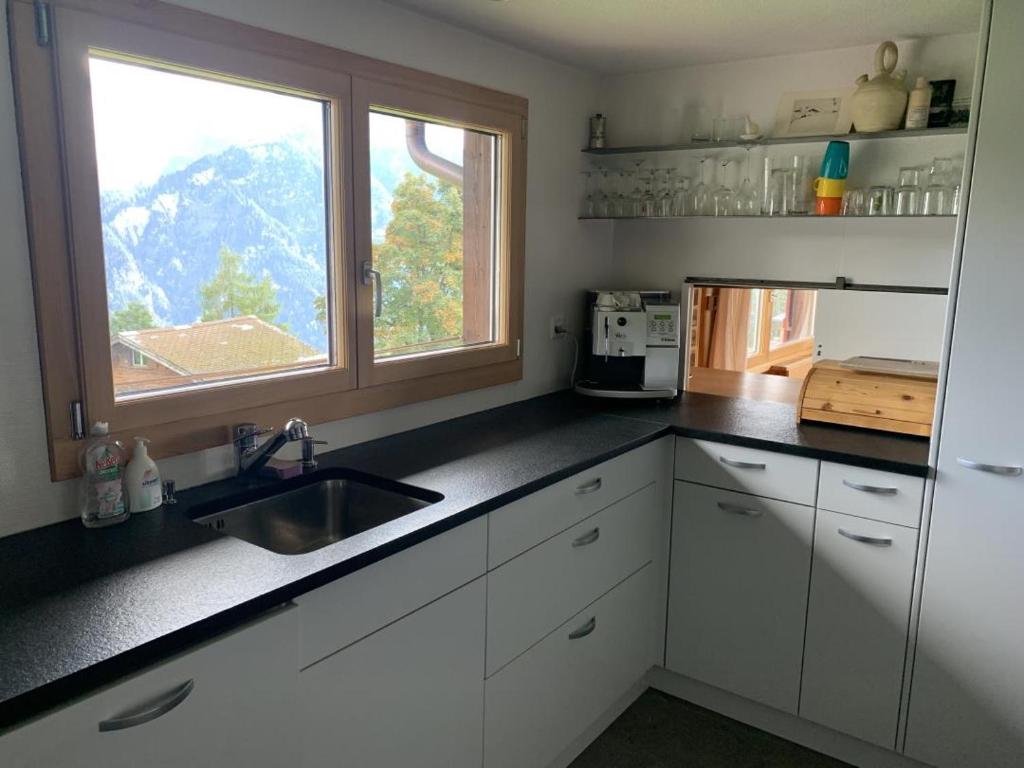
(43, 23)
(77, 420)
(524, 129)
(519, 348)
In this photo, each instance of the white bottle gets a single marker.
(919, 104)
(102, 501)
(142, 480)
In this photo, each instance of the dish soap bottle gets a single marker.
(142, 480)
(103, 459)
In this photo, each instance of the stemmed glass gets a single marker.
(722, 200)
(667, 192)
(589, 206)
(681, 197)
(603, 207)
(702, 193)
(746, 202)
(648, 201)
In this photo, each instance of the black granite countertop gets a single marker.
(80, 608)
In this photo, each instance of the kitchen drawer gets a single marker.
(338, 614)
(544, 700)
(532, 594)
(530, 520)
(747, 470)
(857, 621)
(230, 701)
(738, 592)
(408, 695)
(883, 496)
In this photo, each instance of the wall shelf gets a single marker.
(770, 141)
(794, 217)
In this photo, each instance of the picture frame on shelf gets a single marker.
(814, 113)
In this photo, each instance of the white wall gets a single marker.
(562, 255)
(900, 325)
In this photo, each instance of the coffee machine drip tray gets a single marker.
(622, 391)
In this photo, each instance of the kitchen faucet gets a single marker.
(252, 458)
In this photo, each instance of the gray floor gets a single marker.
(659, 731)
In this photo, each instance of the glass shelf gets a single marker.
(769, 141)
(792, 217)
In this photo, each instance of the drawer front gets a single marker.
(528, 521)
(857, 621)
(366, 707)
(532, 594)
(540, 703)
(738, 592)
(338, 614)
(228, 702)
(747, 470)
(883, 496)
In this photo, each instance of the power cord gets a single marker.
(562, 332)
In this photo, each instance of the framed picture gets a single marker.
(814, 113)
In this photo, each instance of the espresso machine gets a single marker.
(630, 346)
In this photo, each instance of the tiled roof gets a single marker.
(235, 344)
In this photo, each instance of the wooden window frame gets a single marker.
(766, 356)
(71, 303)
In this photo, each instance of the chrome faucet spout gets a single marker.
(251, 459)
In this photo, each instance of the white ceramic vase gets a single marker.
(879, 103)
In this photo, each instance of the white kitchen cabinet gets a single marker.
(410, 694)
(857, 617)
(738, 592)
(545, 699)
(532, 594)
(967, 688)
(228, 702)
(871, 493)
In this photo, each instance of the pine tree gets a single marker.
(233, 292)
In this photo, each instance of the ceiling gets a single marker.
(618, 36)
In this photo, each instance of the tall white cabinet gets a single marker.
(967, 693)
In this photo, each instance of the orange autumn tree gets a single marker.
(420, 262)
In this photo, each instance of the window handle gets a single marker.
(880, 490)
(741, 464)
(372, 277)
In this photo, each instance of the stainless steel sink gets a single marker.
(313, 511)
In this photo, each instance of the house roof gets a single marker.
(219, 346)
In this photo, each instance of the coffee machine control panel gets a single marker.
(662, 325)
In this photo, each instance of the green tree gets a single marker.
(134, 317)
(233, 292)
(320, 307)
(420, 262)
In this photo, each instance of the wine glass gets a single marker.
(746, 202)
(648, 201)
(667, 192)
(622, 185)
(702, 193)
(722, 199)
(603, 206)
(589, 206)
(681, 198)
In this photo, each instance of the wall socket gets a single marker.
(557, 321)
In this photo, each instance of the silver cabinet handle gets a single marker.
(162, 706)
(880, 490)
(587, 538)
(372, 277)
(593, 485)
(741, 464)
(995, 469)
(737, 510)
(585, 630)
(878, 541)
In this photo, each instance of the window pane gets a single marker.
(215, 231)
(754, 322)
(432, 195)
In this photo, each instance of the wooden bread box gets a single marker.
(888, 402)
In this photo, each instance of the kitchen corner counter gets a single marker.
(81, 608)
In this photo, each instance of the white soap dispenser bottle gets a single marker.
(142, 480)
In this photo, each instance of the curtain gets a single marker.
(728, 347)
(801, 314)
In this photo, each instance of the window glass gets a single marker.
(214, 200)
(754, 323)
(433, 209)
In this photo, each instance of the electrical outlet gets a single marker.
(557, 321)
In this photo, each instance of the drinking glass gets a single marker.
(908, 193)
(766, 184)
(722, 199)
(702, 193)
(746, 201)
(939, 194)
(780, 191)
(681, 201)
(853, 203)
(801, 184)
(879, 201)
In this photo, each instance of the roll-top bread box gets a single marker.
(871, 393)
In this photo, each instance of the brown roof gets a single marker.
(235, 344)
